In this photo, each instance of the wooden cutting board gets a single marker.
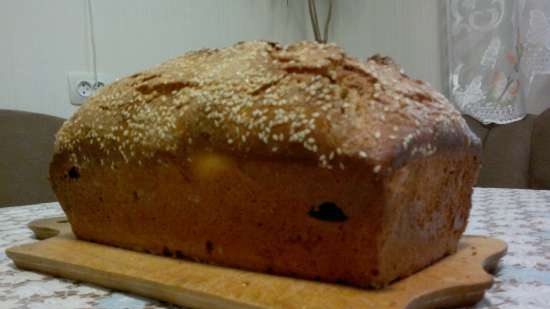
(457, 280)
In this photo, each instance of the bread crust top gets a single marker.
(304, 101)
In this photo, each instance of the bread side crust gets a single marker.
(267, 215)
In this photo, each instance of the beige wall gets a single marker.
(42, 40)
(410, 31)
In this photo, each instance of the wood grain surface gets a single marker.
(457, 280)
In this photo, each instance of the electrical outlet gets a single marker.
(82, 85)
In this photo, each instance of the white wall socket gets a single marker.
(82, 85)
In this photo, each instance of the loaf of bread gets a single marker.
(297, 160)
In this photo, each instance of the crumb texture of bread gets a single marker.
(294, 160)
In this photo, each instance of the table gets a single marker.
(520, 217)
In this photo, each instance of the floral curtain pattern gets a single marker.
(499, 57)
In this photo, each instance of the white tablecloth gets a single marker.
(520, 217)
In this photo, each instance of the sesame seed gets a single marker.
(138, 117)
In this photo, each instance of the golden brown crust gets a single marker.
(306, 100)
(295, 160)
(265, 215)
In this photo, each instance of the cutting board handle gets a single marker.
(50, 227)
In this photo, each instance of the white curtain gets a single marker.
(499, 57)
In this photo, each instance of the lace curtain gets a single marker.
(499, 57)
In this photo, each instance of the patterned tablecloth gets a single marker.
(520, 217)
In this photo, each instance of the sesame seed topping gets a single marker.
(261, 98)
